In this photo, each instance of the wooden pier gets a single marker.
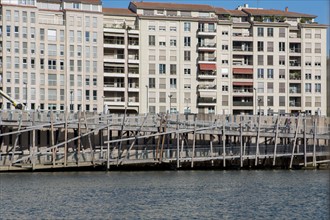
(34, 140)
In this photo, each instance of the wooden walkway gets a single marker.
(31, 140)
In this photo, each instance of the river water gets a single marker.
(261, 194)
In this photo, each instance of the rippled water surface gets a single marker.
(166, 195)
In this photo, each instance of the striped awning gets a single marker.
(207, 66)
(243, 70)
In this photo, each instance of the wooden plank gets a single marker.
(276, 137)
(194, 143)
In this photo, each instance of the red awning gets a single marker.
(243, 70)
(243, 83)
(207, 66)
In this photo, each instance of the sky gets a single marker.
(320, 8)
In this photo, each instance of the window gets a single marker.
(51, 35)
(52, 79)
(187, 42)
(317, 47)
(152, 27)
(8, 15)
(173, 83)
(270, 73)
(224, 33)
(52, 64)
(16, 16)
(152, 68)
(282, 32)
(308, 47)
(270, 32)
(281, 60)
(24, 16)
(87, 36)
(162, 28)
(281, 46)
(281, 88)
(187, 71)
(173, 28)
(152, 83)
(162, 69)
(260, 73)
(260, 32)
(317, 61)
(270, 60)
(308, 87)
(318, 87)
(260, 46)
(187, 55)
(94, 37)
(173, 69)
(317, 33)
(225, 99)
(42, 34)
(308, 33)
(270, 87)
(187, 26)
(33, 17)
(281, 74)
(152, 40)
(260, 60)
(173, 42)
(270, 46)
(16, 31)
(281, 100)
(225, 88)
(270, 101)
(52, 50)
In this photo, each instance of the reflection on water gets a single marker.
(166, 195)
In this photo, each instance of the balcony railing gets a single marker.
(294, 90)
(206, 100)
(207, 59)
(206, 30)
(114, 56)
(207, 45)
(294, 104)
(242, 35)
(242, 48)
(113, 85)
(295, 50)
(295, 63)
(208, 87)
(240, 103)
(114, 41)
(243, 90)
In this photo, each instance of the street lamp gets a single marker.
(259, 100)
(71, 105)
(26, 95)
(170, 96)
(255, 100)
(147, 98)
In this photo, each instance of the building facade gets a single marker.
(52, 54)
(162, 57)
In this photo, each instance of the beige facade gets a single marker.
(52, 54)
(161, 57)
(194, 58)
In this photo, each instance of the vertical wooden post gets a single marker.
(211, 148)
(194, 142)
(177, 142)
(314, 143)
(294, 141)
(33, 159)
(241, 143)
(305, 143)
(108, 144)
(79, 139)
(224, 141)
(66, 137)
(52, 136)
(257, 144)
(276, 136)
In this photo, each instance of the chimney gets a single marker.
(286, 9)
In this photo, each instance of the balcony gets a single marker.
(114, 101)
(207, 87)
(242, 91)
(207, 75)
(205, 101)
(202, 59)
(133, 58)
(207, 46)
(243, 103)
(114, 43)
(295, 89)
(114, 58)
(133, 87)
(206, 32)
(114, 86)
(296, 75)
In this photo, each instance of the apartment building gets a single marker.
(161, 57)
(52, 54)
(201, 59)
